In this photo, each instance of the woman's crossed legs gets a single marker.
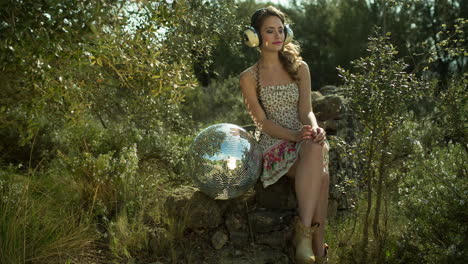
(311, 185)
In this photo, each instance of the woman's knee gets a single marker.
(326, 147)
(311, 148)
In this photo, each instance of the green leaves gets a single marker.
(380, 90)
(433, 196)
(112, 61)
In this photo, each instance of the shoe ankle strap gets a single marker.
(307, 231)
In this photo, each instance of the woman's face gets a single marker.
(272, 31)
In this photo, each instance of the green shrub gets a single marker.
(434, 194)
(451, 113)
(380, 92)
(220, 102)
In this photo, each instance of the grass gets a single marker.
(34, 226)
(344, 234)
(48, 217)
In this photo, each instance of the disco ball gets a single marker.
(225, 161)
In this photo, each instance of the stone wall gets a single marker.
(257, 227)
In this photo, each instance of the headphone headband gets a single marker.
(255, 15)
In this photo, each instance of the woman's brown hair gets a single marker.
(290, 53)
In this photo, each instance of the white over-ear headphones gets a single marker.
(253, 39)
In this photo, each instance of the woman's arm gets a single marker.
(249, 92)
(306, 114)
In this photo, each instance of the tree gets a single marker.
(380, 92)
(113, 62)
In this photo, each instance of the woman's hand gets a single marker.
(318, 135)
(306, 132)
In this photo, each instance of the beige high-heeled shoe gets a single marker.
(303, 242)
(324, 259)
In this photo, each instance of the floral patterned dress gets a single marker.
(280, 104)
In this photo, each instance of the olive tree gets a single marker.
(380, 92)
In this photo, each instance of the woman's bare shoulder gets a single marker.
(247, 76)
(303, 68)
(303, 65)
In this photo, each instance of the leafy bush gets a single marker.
(451, 113)
(220, 102)
(92, 98)
(433, 197)
(91, 63)
(380, 93)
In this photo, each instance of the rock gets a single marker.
(239, 203)
(276, 239)
(237, 226)
(315, 96)
(329, 107)
(268, 220)
(334, 126)
(219, 239)
(329, 90)
(242, 219)
(257, 227)
(279, 195)
(257, 254)
(267, 256)
(239, 237)
(330, 126)
(196, 209)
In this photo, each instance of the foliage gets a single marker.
(231, 56)
(334, 32)
(424, 216)
(380, 89)
(92, 91)
(433, 195)
(324, 31)
(97, 99)
(451, 111)
(220, 102)
(84, 65)
(380, 93)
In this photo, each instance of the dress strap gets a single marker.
(256, 74)
(253, 73)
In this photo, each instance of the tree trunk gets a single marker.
(370, 174)
(382, 174)
(365, 236)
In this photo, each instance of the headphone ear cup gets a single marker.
(289, 35)
(251, 38)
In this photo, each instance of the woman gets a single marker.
(277, 94)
